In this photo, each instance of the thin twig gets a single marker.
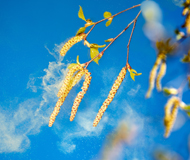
(135, 20)
(111, 17)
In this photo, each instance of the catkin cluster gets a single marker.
(68, 83)
(111, 95)
(170, 114)
(160, 61)
(80, 95)
(70, 43)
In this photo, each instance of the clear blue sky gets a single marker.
(31, 71)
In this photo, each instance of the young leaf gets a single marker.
(109, 40)
(188, 113)
(94, 52)
(78, 60)
(134, 73)
(186, 59)
(71, 65)
(81, 30)
(89, 23)
(108, 23)
(93, 45)
(168, 91)
(187, 108)
(81, 14)
(107, 14)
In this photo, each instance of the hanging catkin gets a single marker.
(111, 95)
(70, 43)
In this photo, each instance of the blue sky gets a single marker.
(31, 35)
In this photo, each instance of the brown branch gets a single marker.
(110, 17)
(135, 20)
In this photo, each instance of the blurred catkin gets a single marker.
(170, 114)
(70, 43)
(161, 74)
(111, 95)
(152, 76)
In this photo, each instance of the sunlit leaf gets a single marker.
(188, 113)
(107, 14)
(93, 45)
(134, 73)
(81, 30)
(89, 23)
(81, 14)
(71, 65)
(108, 23)
(78, 60)
(187, 108)
(93, 53)
(169, 91)
(109, 40)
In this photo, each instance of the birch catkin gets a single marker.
(80, 95)
(170, 114)
(161, 74)
(70, 43)
(153, 76)
(110, 97)
(64, 91)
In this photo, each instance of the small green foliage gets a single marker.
(109, 40)
(186, 58)
(89, 23)
(133, 73)
(78, 60)
(108, 23)
(187, 108)
(188, 113)
(81, 14)
(93, 53)
(169, 91)
(107, 14)
(71, 65)
(81, 30)
(165, 47)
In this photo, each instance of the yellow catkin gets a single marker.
(110, 97)
(185, 11)
(63, 92)
(153, 76)
(187, 23)
(161, 74)
(68, 79)
(70, 43)
(170, 114)
(80, 95)
(77, 77)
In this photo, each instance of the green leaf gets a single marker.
(81, 14)
(71, 65)
(186, 59)
(78, 60)
(169, 91)
(107, 14)
(93, 45)
(81, 30)
(188, 113)
(134, 73)
(187, 108)
(94, 52)
(108, 23)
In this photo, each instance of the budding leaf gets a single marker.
(81, 30)
(81, 14)
(134, 73)
(169, 91)
(188, 113)
(93, 45)
(78, 60)
(108, 23)
(93, 53)
(186, 59)
(107, 14)
(187, 108)
(71, 65)
(109, 40)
